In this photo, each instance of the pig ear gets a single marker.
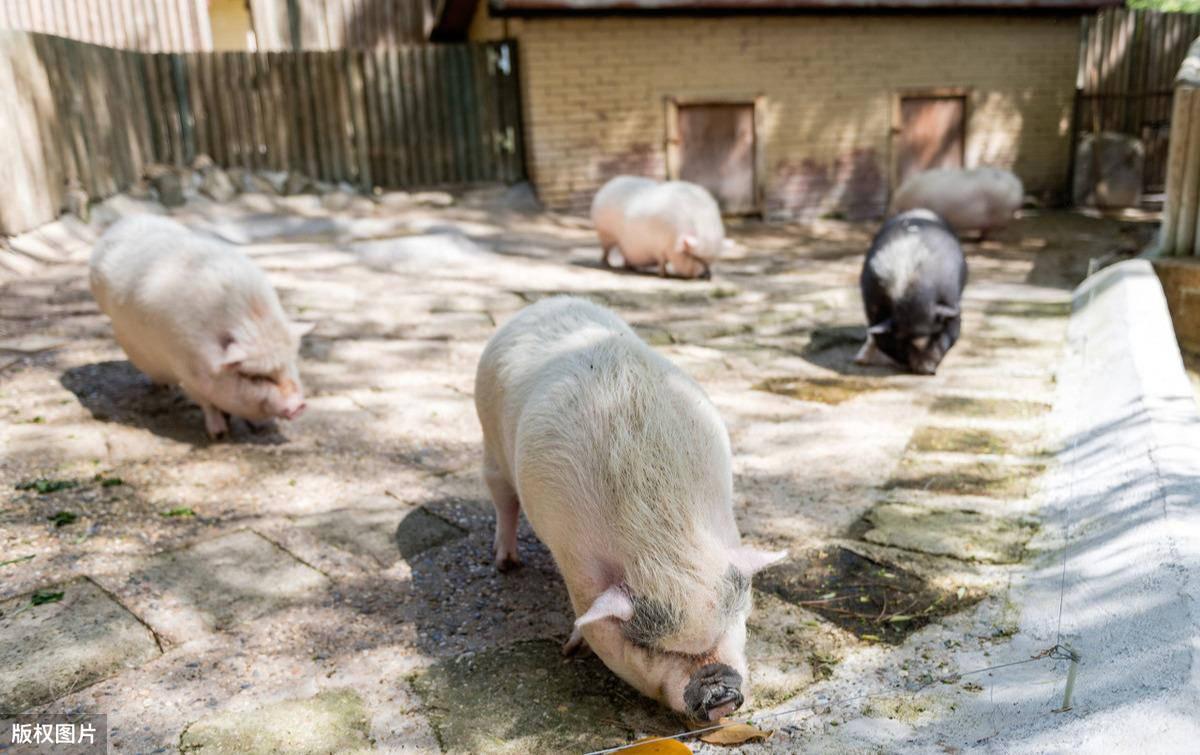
(301, 329)
(882, 327)
(750, 560)
(945, 312)
(233, 355)
(688, 243)
(613, 603)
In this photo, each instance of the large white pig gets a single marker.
(673, 224)
(199, 314)
(622, 466)
(978, 199)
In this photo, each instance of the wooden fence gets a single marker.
(412, 116)
(337, 24)
(146, 25)
(1127, 60)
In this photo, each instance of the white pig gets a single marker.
(200, 314)
(979, 199)
(657, 224)
(623, 468)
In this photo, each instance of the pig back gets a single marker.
(914, 256)
(172, 295)
(606, 442)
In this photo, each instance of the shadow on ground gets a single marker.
(115, 391)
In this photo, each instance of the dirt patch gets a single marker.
(965, 406)
(820, 390)
(959, 439)
(875, 601)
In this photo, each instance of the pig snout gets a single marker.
(294, 408)
(712, 692)
(924, 366)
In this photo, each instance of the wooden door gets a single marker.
(716, 150)
(931, 134)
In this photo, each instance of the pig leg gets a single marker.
(576, 644)
(662, 268)
(508, 511)
(216, 422)
(870, 354)
(605, 253)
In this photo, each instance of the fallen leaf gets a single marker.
(179, 511)
(44, 486)
(42, 597)
(899, 618)
(63, 518)
(656, 746)
(735, 734)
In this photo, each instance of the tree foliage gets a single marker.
(1175, 6)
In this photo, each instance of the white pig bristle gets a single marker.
(623, 467)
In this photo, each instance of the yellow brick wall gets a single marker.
(595, 90)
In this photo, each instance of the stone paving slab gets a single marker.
(962, 534)
(526, 698)
(384, 535)
(333, 721)
(219, 583)
(51, 649)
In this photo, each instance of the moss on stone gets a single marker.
(959, 439)
(820, 390)
(527, 698)
(333, 721)
(967, 406)
(965, 535)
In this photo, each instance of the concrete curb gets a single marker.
(1126, 494)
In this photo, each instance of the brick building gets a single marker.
(787, 107)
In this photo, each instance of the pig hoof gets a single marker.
(507, 563)
(575, 646)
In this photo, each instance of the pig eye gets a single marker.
(258, 378)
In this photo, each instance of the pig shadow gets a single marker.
(619, 268)
(834, 348)
(116, 391)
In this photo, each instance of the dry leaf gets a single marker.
(654, 746)
(735, 734)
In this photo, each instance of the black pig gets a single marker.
(912, 283)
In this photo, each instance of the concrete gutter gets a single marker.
(1125, 499)
(1127, 490)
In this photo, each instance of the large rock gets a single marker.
(167, 183)
(216, 185)
(1109, 170)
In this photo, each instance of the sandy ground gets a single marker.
(335, 571)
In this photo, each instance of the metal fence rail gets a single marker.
(408, 116)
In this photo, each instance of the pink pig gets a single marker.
(200, 314)
(623, 468)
